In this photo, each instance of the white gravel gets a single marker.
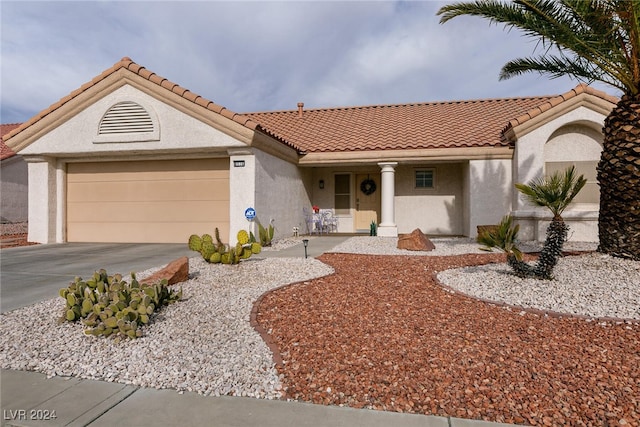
(593, 285)
(206, 344)
(203, 343)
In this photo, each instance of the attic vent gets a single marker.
(126, 117)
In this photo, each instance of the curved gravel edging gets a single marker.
(380, 333)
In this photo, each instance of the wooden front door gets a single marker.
(367, 205)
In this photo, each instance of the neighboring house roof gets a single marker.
(453, 124)
(6, 152)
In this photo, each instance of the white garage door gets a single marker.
(160, 201)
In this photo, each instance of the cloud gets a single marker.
(255, 56)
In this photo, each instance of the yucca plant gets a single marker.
(554, 192)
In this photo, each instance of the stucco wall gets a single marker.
(281, 190)
(574, 136)
(489, 191)
(437, 211)
(14, 190)
(177, 130)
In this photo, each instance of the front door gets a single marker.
(367, 200)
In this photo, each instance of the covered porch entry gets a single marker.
(358, 197)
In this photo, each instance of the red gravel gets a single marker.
(381, 333)
(14, 240)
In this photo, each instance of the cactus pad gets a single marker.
(243, 237)
(195, 242)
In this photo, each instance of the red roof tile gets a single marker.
(390, 127)
(6, 152)
(476, 123)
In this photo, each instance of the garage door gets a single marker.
(162, 201)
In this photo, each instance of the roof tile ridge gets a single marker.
(557, 100)
(187, 94)
(406, 104)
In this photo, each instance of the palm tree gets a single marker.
(554, 192)
(590, 40)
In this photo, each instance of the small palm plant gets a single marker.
(505, 237)
(554, 192)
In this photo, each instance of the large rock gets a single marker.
(415, 241)
(175, 272)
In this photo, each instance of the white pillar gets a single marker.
(42, 199)
(242, 194)
(387, 226)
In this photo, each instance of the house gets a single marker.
(133, 157)
(13, 182)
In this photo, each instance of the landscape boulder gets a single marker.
(415, 241)
(175, 272)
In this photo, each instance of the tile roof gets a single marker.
(581, 88)
(390, 127)
(128, 64)
(475, 123)
(6, 152)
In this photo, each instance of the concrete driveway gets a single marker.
(31, 274)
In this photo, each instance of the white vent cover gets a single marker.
(126, 117)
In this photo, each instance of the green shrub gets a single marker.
(108, 305)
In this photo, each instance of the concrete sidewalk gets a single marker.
(30, 399)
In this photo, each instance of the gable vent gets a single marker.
(126, 117)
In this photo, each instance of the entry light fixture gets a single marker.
(321, 184)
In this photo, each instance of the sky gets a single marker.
(262, 56)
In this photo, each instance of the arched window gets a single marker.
(579, 145)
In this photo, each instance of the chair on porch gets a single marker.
(329, 221)
(313, 221)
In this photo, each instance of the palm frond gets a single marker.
(503, 237)
(555, 191)
(597, 40)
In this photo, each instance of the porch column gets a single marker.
(387, 226)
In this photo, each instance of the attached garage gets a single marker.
(158, 201)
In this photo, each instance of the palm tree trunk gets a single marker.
(619, 179)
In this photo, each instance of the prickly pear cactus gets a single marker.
(195, 242)
(107, 305)
(207, 250)
(219, 252)
(243, 237)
